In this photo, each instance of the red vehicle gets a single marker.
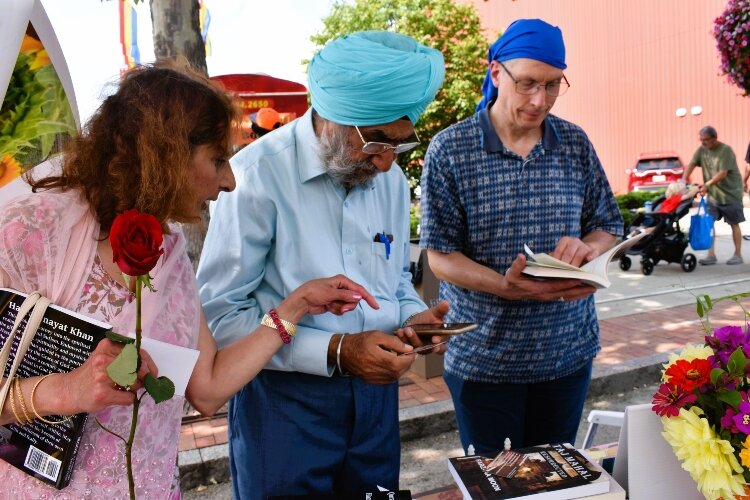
(255, 91)
(655, 171)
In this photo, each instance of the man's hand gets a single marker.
(574, 251)
(518, 286)
(432, 316)
(372, 356)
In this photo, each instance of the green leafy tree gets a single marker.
(452, 28)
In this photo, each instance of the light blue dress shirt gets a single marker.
(288, 222)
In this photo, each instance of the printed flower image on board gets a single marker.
(704, 402)
(35, 116)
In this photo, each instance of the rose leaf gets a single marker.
(123, 369)
(161, 389)
(116, 337)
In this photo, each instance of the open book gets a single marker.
(541, 265)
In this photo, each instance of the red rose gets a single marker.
(136, 242)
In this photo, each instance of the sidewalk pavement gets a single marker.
(642, 320)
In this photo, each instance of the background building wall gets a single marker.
(631, 65)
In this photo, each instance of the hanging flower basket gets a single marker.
(732, 34)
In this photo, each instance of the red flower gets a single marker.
(136, 240)
(689, 374)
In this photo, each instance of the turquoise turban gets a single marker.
(528, 39)
(374, 77)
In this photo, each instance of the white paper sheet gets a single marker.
(173, 361)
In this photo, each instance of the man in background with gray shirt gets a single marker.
(723, 183)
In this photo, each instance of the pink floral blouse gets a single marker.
(46, 223)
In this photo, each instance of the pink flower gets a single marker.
(669, 399)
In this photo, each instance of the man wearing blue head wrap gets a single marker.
(510, 175)
(318, 197)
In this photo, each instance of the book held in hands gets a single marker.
(541, 265)
(63, 342)
(550, 471)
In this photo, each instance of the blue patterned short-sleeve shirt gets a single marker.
(485, 201)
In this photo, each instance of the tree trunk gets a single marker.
(176, 31)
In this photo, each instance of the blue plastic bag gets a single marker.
(701, 227)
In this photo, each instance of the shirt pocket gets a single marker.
(382, 270)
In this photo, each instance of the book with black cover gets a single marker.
(64, 340)
(549, 472)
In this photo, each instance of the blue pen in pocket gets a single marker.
(385, 240)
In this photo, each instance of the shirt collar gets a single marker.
(491, 141)
(307, 145)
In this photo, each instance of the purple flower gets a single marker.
(726, 340)
(742, 418)
(727, 421)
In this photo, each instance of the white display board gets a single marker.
(645, 464)
(15, 18)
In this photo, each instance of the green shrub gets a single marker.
(631, 202)
(414, 216)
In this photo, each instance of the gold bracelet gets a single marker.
(33, 409)
(21, 401)
(290, 327)
(13, 402)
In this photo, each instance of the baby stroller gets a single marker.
(666, 241)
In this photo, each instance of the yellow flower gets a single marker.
(688, 353)
(745, 453)
(709, 460)
(9, 169)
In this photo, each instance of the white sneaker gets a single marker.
(735, 259)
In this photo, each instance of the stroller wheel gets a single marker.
(688, 262)
(625, 262)
(647, 267)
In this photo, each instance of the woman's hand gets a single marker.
(337, 295)
(88, 388)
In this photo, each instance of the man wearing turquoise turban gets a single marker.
(323, 196)
(514, 174)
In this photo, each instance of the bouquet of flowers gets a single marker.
(732, 34)
(704, 402)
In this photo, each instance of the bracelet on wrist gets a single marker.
(408, 320)
(33, 408)
(338, 356)
(286, 329)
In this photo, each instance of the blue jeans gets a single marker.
(296, 434)
(528, 414)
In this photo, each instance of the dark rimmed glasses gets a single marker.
(531, 87)
(376, 148)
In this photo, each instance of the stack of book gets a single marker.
(549, 472)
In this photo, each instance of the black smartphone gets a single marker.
(443, 329)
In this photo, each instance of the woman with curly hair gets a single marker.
(160, 144)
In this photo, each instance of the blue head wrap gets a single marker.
(374, 77)
(528, 39)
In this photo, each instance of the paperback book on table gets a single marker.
(64, 340)
(549, 472)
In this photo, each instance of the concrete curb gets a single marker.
(210, 465)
